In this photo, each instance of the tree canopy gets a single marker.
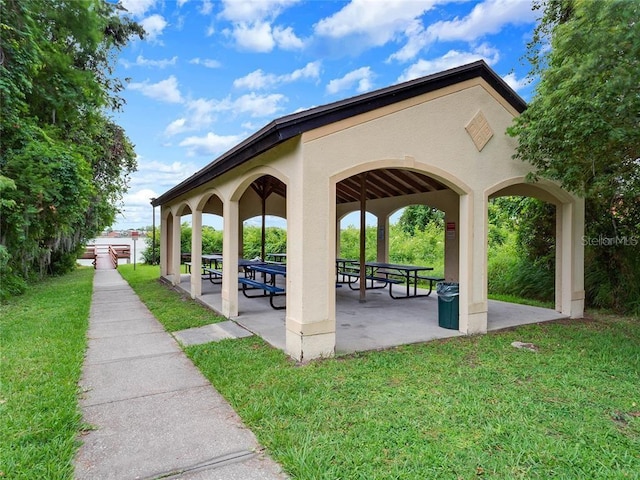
(64, 163)
(582, 129)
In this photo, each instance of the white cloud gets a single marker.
(165, 90)
(259, 105)
(286, 39)
(210, 30)
(176, 127)
(181, 3)
(486, 18)
(210, 144)
(252, 25)
(258, 80)
(145, 62)
(362, 77)
(376, 22)
(451, 59)
(154, 26)
(255, 80)
(256, 37)
(206, 62)
(310, 70)
(138, 8)
(252, 11)
(200, 112)
(160, 175)
(140, 198)
(199, 115)
(514, 82)
(206, 8)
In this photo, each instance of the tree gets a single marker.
(415, 218)
(582, 129)
(64, 164)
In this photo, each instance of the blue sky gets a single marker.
(211, 73)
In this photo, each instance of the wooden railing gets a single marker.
(113, 254)
(119, 251)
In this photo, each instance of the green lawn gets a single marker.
(463, 408)
(175, 310)
(43, 340)
(460, 408)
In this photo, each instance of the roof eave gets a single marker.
(289, 126)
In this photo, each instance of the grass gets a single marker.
(521, 300)
(459, 408)
(43, 339)
(175, 310)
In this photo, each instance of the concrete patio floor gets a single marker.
(381, 322)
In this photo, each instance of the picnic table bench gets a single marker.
(269, 289)
(215, 275)
(381, 277)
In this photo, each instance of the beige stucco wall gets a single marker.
(426, 134)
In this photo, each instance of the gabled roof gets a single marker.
(289, 126)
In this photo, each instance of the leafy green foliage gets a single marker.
(417, 217)
(418, 247)
(275, 241)
(521, 254)
(582, 126)
(582, 129)
(64, 164)
(211, 239)
(151, 252)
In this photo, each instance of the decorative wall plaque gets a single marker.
(479, 130)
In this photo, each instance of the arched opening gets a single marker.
(263, 216)
(521, 250)
(536, 260)
(381, 192)
(212, 225)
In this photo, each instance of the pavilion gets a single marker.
(438, 140)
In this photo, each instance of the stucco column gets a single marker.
(473, 263)
(175, 250)
(337, 236)
(570, 258)
(165, 242)
(310, 314)
(240, 239)
(231, 227)
(382, 236)
(196, 253)
(452, 242)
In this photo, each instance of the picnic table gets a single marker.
(212, 266)
(278, 258)
(381, 274)
(268, 286)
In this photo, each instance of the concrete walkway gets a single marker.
(151, 412)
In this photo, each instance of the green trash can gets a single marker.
(448, 304)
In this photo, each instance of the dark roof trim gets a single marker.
(289, 126)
